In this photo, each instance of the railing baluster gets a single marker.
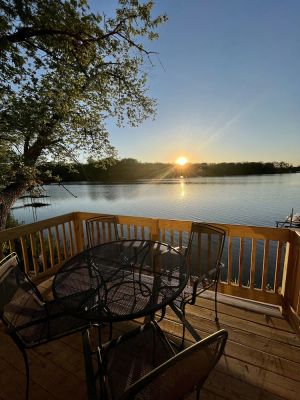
(96, 228)
(277, 267)
(11, 245)
(199, 246)
(92, 225)
(127, 234)
(33, 253)
(180, 239)
(135, 231)
(106, 232)
(122, 230)
(163, 236)
(25, 254)
(57, 242)
(129, 231)
(172, 237)
(241, 261)
(229, 261)
(71, 238)
(209, 250)
(50, 242)
(64, 241)
(43, 251)
(253, 263)
(265, 265)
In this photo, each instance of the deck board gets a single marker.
(261, 361)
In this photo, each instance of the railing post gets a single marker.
(287, 276)
(154, 234)
(78, 230)
(291, 282)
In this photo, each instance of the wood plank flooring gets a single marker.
(261, 360)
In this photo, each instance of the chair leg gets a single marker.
(154, 345)
(162, 315)
(216, 303)
(110, 330)
(27, 371)
(198, 392)
(88, 363)
(99, 334)
(183, 327)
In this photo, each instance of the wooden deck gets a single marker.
(261, 361)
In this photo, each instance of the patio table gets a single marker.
(121, 280)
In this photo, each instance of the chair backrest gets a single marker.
(181, 374)
(101, 229)
(205, 249)
(20, 300)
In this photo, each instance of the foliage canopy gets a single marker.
(64, 71)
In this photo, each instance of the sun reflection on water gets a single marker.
(182, 187)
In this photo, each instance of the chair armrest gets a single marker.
(196, 283)
(181, 249)
(202, 279)
(221, 265)
(16, 329)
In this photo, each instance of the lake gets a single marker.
(248, 200)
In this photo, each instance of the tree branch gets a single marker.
(132, 43)
(24, 33)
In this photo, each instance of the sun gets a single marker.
(181, 161)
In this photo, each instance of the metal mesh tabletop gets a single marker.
(120, 280)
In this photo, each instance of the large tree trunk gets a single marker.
(7, 199)
(10, 194)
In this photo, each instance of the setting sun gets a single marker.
(181, 161)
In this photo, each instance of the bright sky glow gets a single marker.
(181, 161)
(227, 84)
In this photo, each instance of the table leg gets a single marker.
(185, 322)
(88, 363)
(95, 384)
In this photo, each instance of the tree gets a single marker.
(64, 71)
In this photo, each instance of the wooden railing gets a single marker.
(291, 283)
(262, 264)
(42, 246)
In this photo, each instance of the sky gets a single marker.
(227, 82)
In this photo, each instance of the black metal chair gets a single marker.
(142, 365)
(101, 229)
(30, 321)
(203, 253)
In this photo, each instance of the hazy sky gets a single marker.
(228, 86)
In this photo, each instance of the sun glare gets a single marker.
(181, 161)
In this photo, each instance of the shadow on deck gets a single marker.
(261, 361)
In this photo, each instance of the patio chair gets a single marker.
(101, 229)
(203, 253)
(30, 321)
(142, 365)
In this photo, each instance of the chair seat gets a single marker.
(35, 322)
(124, 364)
(142, 365)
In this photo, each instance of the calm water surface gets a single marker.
(251, 200)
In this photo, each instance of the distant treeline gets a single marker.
(131, 169)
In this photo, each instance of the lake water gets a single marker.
(248, 200)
